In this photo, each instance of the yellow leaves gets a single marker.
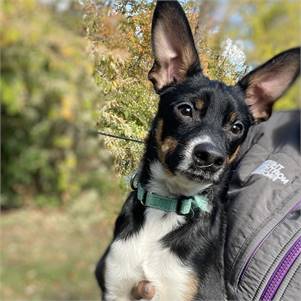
(9, 37)
(66, 171)
(13, 95)
(68, 50)
(269, 28)
(114, 84)
(63, 142)
(110, 25)
(67, 108)
(122, 51)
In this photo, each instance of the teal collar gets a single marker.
(182, 206)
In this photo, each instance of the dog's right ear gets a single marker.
(267, 83)
(174, 51)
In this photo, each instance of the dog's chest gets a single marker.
(143, 257)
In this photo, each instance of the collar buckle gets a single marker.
(184, 206)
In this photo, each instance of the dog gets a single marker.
(169, 237)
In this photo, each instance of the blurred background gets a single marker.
(70, 68)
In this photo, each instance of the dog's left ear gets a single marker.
(264, 85)
(173, 47)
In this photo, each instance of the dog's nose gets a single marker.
(206, 154)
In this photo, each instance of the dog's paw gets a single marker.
(143, 290)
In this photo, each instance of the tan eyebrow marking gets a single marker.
(199, 104)
(232, 116)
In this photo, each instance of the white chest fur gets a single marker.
(143, 257)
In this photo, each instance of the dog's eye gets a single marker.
(185, 110)
(237, 128)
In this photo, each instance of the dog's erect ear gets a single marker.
(264, 85)
(173, 47)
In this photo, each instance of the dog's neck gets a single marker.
(155, 178)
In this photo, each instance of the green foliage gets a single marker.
(120, 42)
(49, 98)
(48, 102)
(269, 28)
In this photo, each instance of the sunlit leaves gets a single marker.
(49, 101)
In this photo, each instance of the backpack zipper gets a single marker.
(281, 271)
(253, 253)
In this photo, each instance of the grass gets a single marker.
(50, 254)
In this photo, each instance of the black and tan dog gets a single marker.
(168, 239)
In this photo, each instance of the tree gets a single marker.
(120, 42)
(48, 102)
(226, 32)
(267, 28)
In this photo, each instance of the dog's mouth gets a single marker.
(205, 173)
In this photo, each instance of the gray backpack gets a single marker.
(263, 247)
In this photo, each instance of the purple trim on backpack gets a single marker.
(281, 271)
(297, 206)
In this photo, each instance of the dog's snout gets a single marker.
(206, 154)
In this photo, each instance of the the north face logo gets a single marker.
(272, 170)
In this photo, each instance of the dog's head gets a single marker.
(201, 123)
